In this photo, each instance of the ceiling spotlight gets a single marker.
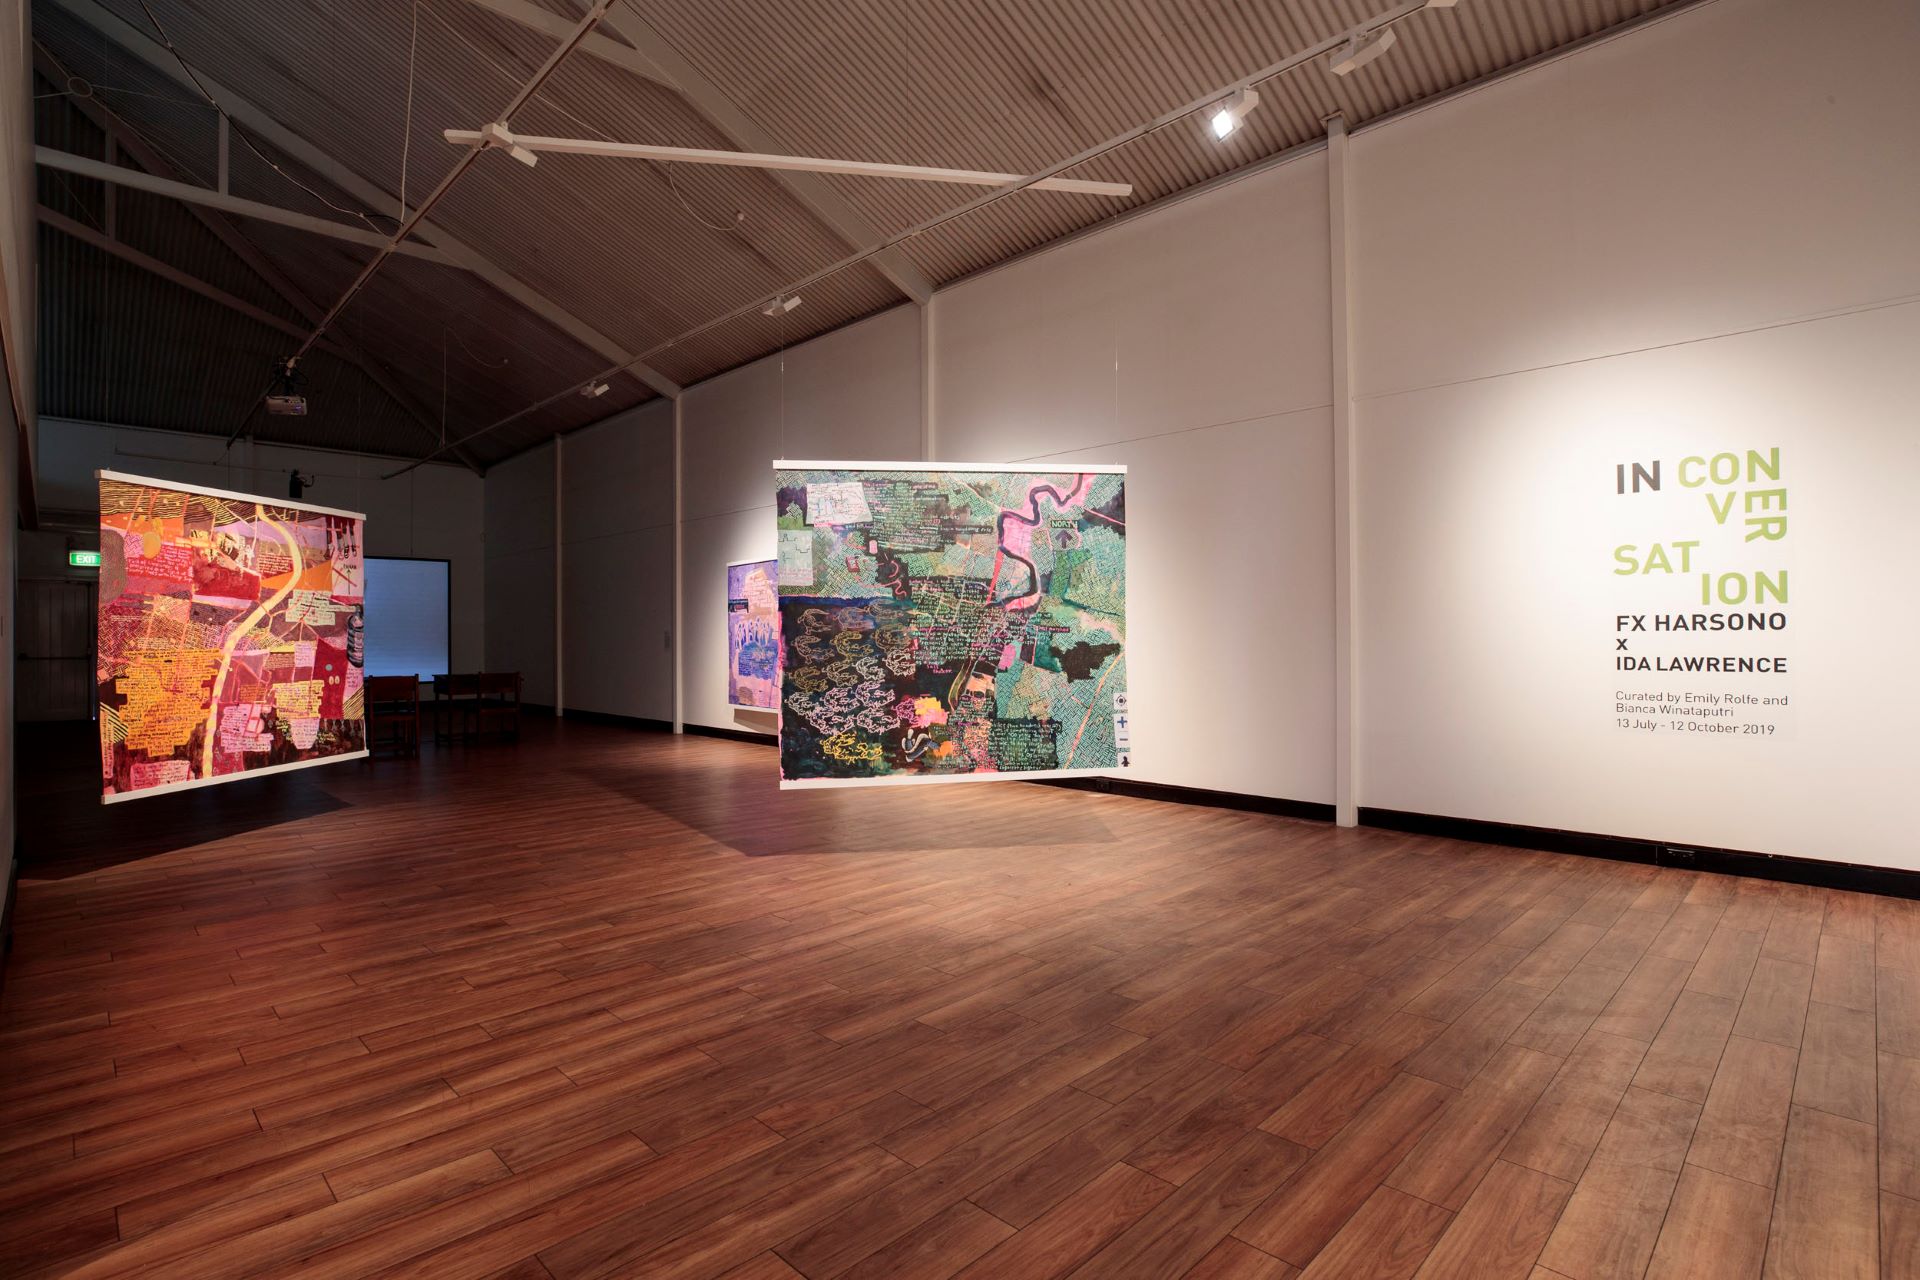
(781, 305)
(1227, 113)
(593, 390)
(1360, 50)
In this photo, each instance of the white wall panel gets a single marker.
(520, 604)
(1207, 310)
(618, 474)
(1611, 258)
(1487, 594)
(1694, 236)
(617, 564)
(1190, 343)
(854, 393)
(1229, 582)
(619, 612)
(1740, 163)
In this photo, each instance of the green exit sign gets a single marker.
(84, 559)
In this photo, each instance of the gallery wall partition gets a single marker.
(616, 519)
(854, 393)
(1636, 422)
(1190, 344)
(1628, 325)
(232, 636)
(520, 571)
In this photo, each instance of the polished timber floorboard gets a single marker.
(607, 1003)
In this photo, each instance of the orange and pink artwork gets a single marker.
(231, 636)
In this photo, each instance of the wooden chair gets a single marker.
(393, 706)
(454, 699)
(498, 702)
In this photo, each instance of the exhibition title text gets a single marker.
(1743, 494)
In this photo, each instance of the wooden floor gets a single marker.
(607, 1003)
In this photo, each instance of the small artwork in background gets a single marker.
(231, 636)
(950, 623)
(753, 635)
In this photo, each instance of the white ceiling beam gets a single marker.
(813, 191)
(249, 116)
(986, 199)
(149, 158)
(120, 175)
(759, 160)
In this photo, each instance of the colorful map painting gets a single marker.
(950, 623)
(753, 635)
(230, 636)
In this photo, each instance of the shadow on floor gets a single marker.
(65, 831)
(729, 792)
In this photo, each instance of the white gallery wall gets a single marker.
(853, 393)
(616, 500)
(431, 512)
(1191, 344)
(519, 558)
(1693, 237)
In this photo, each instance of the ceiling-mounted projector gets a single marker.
(283, 396)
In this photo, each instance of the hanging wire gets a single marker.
(167, 42)
(784, 314)
(480, 360)
(406, 129)
(360, 484)
(739, 216)
(78, 204)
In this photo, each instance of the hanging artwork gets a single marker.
(753, 635)
(230, 636)
(950, 623)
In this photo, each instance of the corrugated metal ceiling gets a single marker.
(640, 252)
(120, 344)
